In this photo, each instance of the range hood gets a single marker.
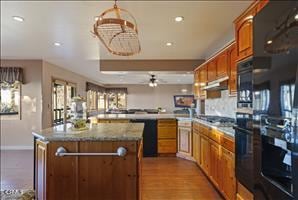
(218, 84)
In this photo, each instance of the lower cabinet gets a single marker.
(87, 177)
(205, 154)
(215, 164)
(228, 186)
(167, 136)
(196, 144)
(217, 160)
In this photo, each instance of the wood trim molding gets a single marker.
(228, 45)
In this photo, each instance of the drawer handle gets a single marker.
(61, 151)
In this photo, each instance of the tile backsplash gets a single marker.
(224, 106)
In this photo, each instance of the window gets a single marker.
(101, 103)
(91, 100)
(62, 94)
(98, 101)
(116, 101)
(10, 98)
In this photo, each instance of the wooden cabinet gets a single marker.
(228, 186)
(196, 85)
(167, 136)
(244, 30)
(222, 65)
(261, 4)
(87, 177)
(244, 34)
(184, 139)
(215, 163)
(232, 57)
(211, 70)
(217, 159)
(196, 143)
(205, 154)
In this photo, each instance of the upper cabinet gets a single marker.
(222, 64)
(244, 30)
(211, 70)
(244, 26)
(196, 84)
(232, 57)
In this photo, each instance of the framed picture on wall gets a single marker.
(184, 101)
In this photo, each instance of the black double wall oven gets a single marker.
(275, 101)
(243, 128)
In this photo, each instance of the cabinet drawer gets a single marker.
(228, 143)
(167, 146)
(204, 130)
(184, 123)
(196, 125)
(167, 132)
(166, 122)
(215, 136)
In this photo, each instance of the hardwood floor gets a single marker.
(167, 178)
(163, 178)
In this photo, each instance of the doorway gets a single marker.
(62, 94)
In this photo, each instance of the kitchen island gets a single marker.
(102, 162)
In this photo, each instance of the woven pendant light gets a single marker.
(117, 29)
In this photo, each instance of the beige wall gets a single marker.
(143, 96)
(16, 133)
(49, 72)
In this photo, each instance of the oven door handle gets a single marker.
(242, 129)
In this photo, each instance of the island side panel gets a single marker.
(40, 169)
(62, 172)
(108, 177)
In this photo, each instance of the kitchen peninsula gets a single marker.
(102, 162)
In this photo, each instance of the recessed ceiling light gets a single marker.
(269, 41)
(296, 17)
(18, 18)
(57, 44)
(169, 44)
(179, 18)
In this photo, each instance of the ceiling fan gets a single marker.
(153, 81)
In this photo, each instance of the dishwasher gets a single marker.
(149, 136)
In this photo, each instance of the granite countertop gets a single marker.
(95, 132)
(229, 131)
(139, 116)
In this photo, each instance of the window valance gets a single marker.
(11, 74)
(94, 87)
(116, 90)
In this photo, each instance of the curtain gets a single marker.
(94, 87)
(116, 90)
(11, 74)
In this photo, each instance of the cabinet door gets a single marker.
(232, 56)
(222, 64)
(108, 177)
(196, 86)
(196, 145)
(205, 154)
(184, 141)
(211, 70)
(228, 175)
(215, 167)
(203, 81)
(261, 4)
(244, 38)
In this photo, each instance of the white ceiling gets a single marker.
(70, 23)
